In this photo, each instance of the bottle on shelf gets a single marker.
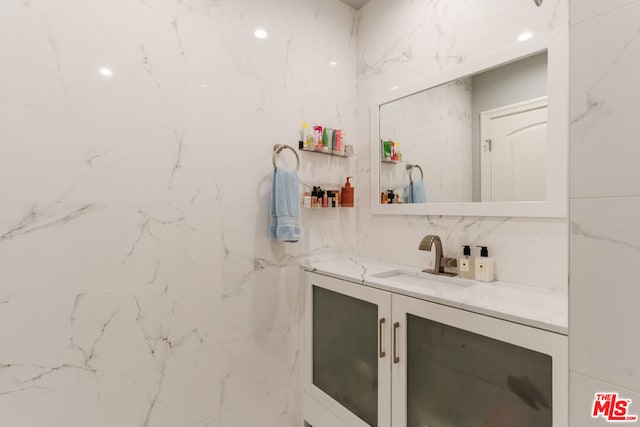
(347, 194)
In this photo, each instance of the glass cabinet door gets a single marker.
(459, 378)
(462, 369)
(346, 353)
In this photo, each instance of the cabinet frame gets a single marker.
(392, 374)
(375, 296)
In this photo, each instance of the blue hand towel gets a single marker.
(416, 192)
(285, 206)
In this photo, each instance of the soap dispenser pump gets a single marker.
(466, 264)
(484, 266)
(347, 194)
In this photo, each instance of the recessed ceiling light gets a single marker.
(525, 36)
(394, 88)
(105, 72)
(261, 34)
(333, 63)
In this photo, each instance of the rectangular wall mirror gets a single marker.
(488, 138)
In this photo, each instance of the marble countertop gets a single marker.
(536, 307)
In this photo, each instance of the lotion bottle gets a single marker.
(484, 266)
(304, 135)
(307, 198)
(466, 264)
(347, 194)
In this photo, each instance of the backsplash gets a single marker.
(406, 41)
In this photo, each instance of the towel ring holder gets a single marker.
(278, 148)
(411, 167)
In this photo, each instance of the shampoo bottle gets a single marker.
(317, 130)
(307, 198)
(326, 141)
(466, 264)
(339, 147)
(484, 266)
(347, 194)
(304, 135)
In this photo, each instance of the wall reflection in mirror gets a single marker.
(482, 138)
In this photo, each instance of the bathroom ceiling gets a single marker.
(356, 4)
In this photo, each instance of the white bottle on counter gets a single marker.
(484, 266)
(466, 264)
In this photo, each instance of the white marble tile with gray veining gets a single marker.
(603, 122)
(602, 250)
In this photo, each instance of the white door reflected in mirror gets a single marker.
(514, 152)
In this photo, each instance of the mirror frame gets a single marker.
(556, 205)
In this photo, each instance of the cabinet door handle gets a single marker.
(381, 352)
(396, 359)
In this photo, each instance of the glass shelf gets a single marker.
(327, 153)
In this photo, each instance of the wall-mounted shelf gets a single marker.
(395, 162)
(335, 194)
(327, 153)
(328, 208)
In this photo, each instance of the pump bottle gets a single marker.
(484, 266)
(466, 264)
(347, 194)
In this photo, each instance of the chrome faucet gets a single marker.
(440, 262)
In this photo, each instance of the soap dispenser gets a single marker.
(484, 266)
(466, 264)
(347, 194)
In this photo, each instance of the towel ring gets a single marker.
(278, 148)
(411, 167)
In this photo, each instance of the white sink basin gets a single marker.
(425, 281)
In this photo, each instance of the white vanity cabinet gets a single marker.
(378, 358)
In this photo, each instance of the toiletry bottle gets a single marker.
(383, 198)
(307, 197)
(325, 199)
(314, 196)
(386, 149)
(390, 196)
(325, 141)
(484, 266)
(347, 194)
(466, 264)
(339, 147)
(304, 133)
(317, 131)
(311, 140)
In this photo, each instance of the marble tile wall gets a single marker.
(404, 42)
(605, 205)
(138, 285)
